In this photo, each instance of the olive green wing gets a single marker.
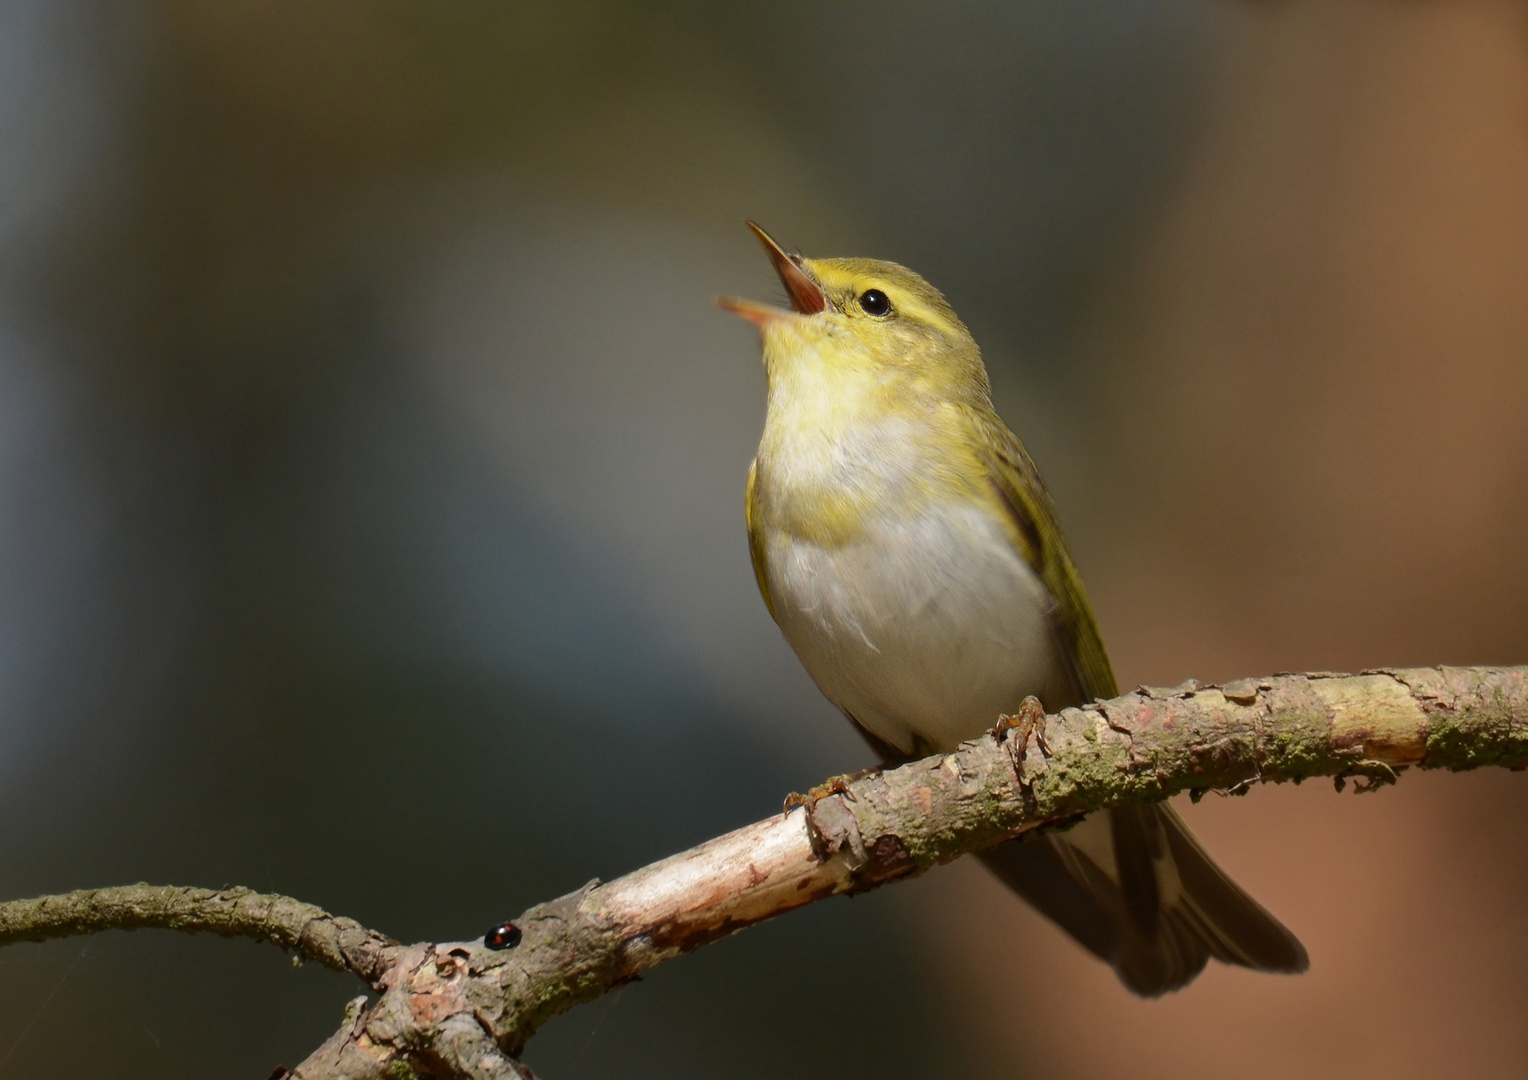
(1015, 483)
(1131, 884)
(756, 536)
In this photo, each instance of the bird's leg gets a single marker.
(836, 785)
(1029, 720)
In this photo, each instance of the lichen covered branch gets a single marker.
(465, 1009)
(1144, 746)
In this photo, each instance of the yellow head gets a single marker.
(858, 325)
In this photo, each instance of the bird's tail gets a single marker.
(1134, 887)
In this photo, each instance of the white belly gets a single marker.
(927, 631)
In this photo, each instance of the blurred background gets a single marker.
(371, 467)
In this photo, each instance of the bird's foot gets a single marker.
(837, 785)
(1028, 721)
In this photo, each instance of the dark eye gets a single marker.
(875, 302)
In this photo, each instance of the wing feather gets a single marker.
(1156, 907)
(1021, 493)
(756, 538)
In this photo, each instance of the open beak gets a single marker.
(806, 296)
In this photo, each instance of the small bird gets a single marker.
(907, 548)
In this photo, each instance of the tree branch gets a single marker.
(464, 1009)
(309, 931)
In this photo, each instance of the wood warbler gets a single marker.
(908, 550)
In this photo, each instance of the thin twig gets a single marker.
(309, 931)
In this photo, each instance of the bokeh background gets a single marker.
(371, 466)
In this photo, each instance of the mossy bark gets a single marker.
(465, 1009)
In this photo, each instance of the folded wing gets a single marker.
(1132, 885)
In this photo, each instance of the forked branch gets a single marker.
(466, 1010)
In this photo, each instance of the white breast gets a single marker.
(928, 629)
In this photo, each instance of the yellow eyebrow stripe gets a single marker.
(906, 302)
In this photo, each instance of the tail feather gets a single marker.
(1240, 930)
(1134, 887)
